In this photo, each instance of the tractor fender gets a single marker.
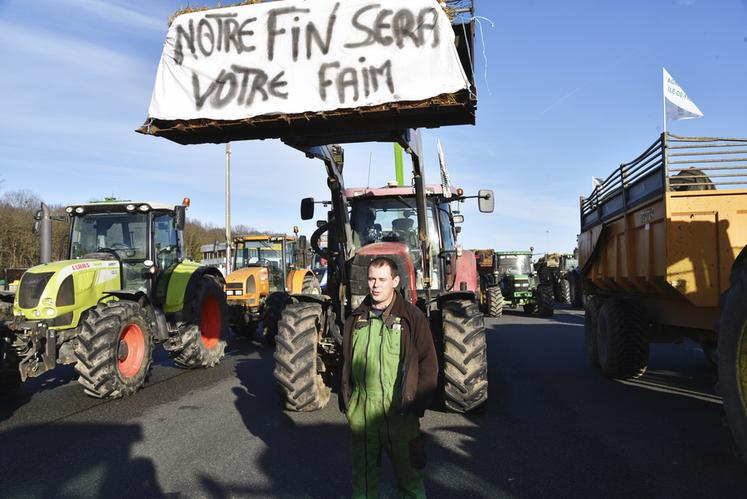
(181, 286)
(294, 281)
(455, 295)
(466, 273)
(323, 300)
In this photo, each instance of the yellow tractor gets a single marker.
(268, 268)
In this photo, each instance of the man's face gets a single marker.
(381, 284)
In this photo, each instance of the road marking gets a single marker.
(649, 385)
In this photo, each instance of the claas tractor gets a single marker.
(414, 226)
(491, 295)
(267, 269)
(520, 285)
(125, 287)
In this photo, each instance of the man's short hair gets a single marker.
(381, 261)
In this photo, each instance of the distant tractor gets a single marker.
(491, 296)
(560, 270)
(125, 287)
(267, 269)
(520, 286)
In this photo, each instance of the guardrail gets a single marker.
(672, 163)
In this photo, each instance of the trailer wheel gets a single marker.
(494, 301)
(113, 350)
(565, 291)
(622, 339)
(546, 300)
(296, 358)
(591, 320)
(465, 356)
(732, 359)
(201, 341)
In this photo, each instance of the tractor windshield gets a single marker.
(514, 264)
(394, 219)
(122, 234)
(263, 253)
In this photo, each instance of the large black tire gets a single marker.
(113, 350)
(564, 289)
(732, 359)
(465, 356)
(546, 300)
(591, 320)
(311, 285)
(272, 310)
(622, 339)
(296, 358)
(530, 308)
(494, 301)
(577, 292)
(200, 342)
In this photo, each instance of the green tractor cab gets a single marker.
(125, 286)
(519, 285)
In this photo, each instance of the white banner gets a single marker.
(295, 56)
(678, 105)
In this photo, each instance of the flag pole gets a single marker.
(664, 102)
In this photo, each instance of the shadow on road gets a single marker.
(556, 428)
(10, 402)
(303, 458)
(81, 460)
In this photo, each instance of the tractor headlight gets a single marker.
(130, 207)
(37, 313)
(79, 210)
(49, 311)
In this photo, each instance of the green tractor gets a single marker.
(125, 287)
(519, 285)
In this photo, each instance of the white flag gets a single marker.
(679, 106)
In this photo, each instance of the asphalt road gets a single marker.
(553, 428)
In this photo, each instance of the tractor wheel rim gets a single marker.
(210, 322)
(741, 370)
(130, 350)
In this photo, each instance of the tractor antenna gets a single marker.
(370, 160)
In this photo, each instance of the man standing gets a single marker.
(389, 376)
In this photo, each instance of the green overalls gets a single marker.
(374, 411)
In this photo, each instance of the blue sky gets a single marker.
(573, 89)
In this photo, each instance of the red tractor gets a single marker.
(417, 228)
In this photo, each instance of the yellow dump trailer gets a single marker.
(662, 254)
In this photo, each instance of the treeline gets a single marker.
(19, 244)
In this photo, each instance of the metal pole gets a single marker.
(228, 207)
(664, 103)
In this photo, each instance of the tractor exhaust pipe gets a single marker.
(45, 234)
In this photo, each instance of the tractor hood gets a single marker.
(62, 290)
(247, 284)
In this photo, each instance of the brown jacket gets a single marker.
(420, 365)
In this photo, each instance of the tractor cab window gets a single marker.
(291, 255)
(514, 264)
(165, 241)
(376, 220)
(447, 228)
(122, 235)
(262, 253)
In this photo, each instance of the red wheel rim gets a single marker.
(131, 350)
(210, 322)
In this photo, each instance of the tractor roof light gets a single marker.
(186, 201)
(460, 191)
(143, 207)
(69, 209)
(130, 207)
(79, 210)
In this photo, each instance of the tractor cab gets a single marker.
(384, 222)
(144, 237)
(277, 254)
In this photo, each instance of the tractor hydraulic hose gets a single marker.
(314, 241)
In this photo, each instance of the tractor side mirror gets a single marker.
(302, 243)
(486, 200)
(320, 223)
(458, 219)
(180, 217)
(458, 229)
(307, 208)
